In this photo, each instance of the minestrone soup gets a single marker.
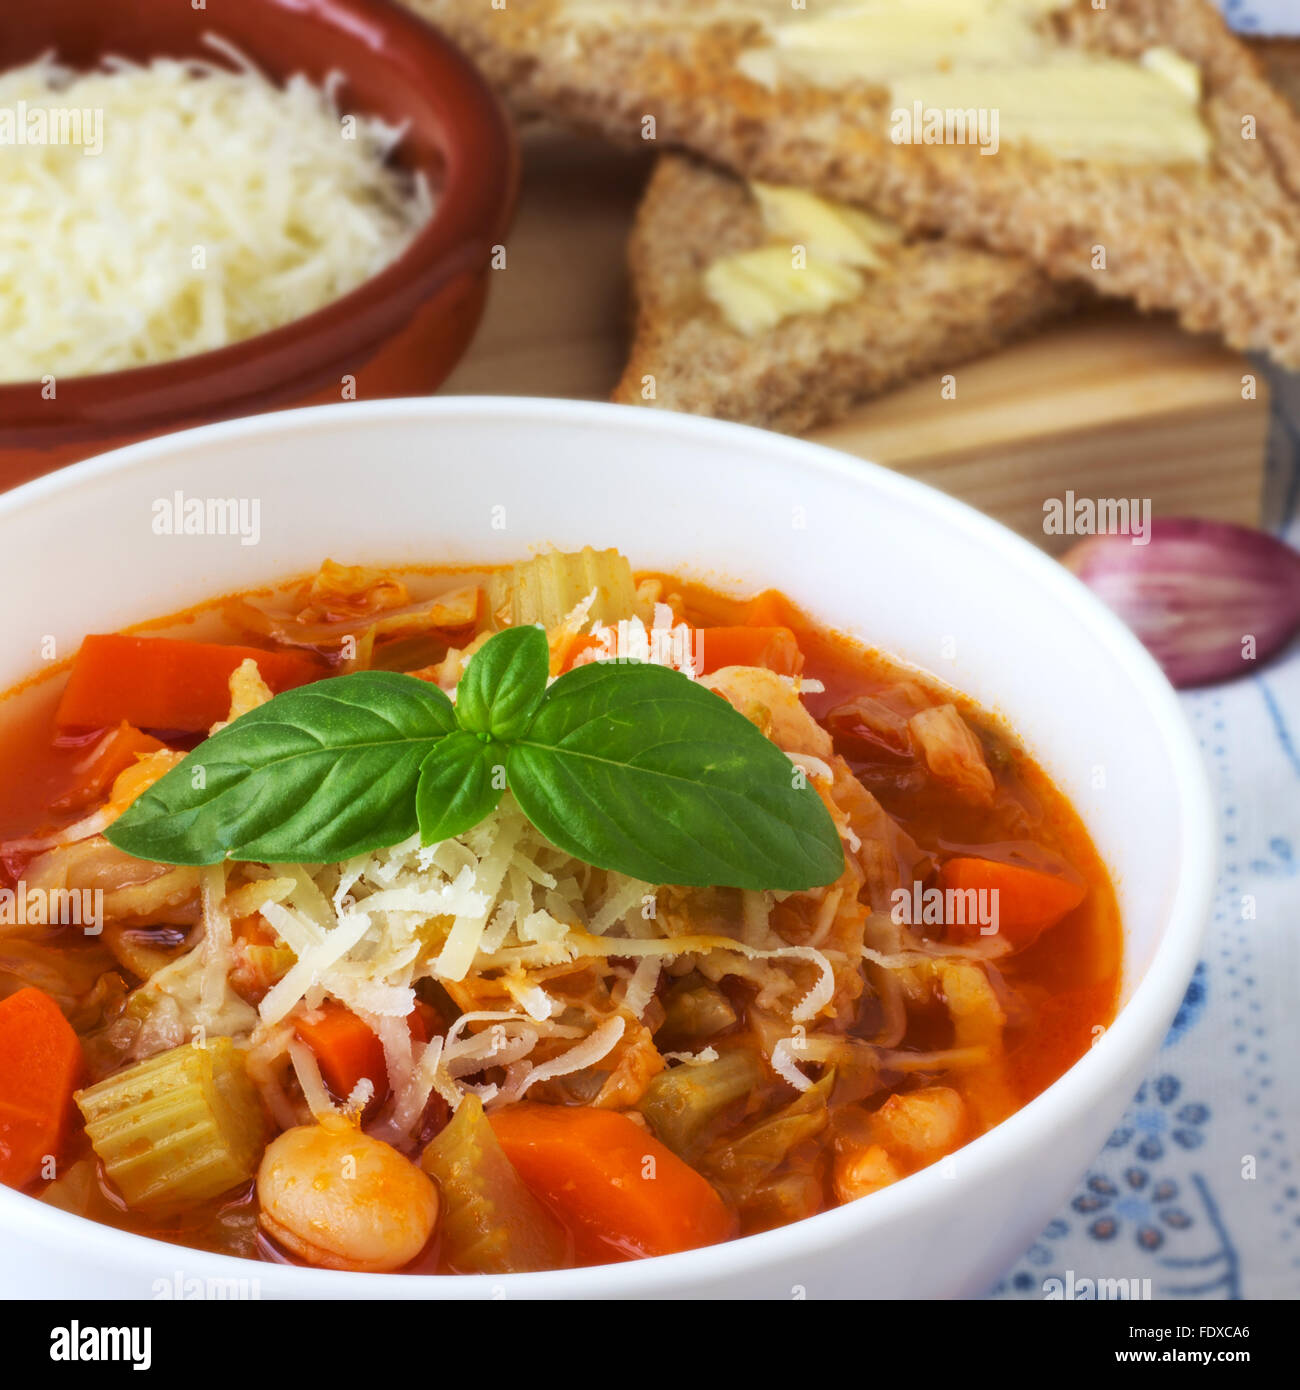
(551, 915)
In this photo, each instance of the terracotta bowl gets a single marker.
(400, 332)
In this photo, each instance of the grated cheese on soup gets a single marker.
(152, 212)
(501, 904)
(495, 916)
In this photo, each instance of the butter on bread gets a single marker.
(733, 321)
(1209, 229)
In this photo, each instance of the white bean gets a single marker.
(341, 1200)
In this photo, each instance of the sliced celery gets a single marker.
(679, 1103)
(546, 589)
(491, 1222)
(179, 1128)
(695, 1010)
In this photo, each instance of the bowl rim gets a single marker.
(472, 212)
(1136, 1031)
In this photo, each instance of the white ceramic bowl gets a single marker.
(909, 570)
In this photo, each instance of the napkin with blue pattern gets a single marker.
(1198, 1188)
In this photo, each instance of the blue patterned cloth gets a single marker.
(1262, 16)
(1198, 1188)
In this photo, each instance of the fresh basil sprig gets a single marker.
(627, 766)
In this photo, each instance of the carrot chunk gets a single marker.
(580, 649)
(607, 1176)
(165, 683)
(771, 608)
(773, 647)
(40, 1065)
(1027, 901)
(121, 749)
(347, 1049)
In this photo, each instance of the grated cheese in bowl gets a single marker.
(153, 212)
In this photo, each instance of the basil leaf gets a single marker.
(636, 768)
(315, 775)
(504, 683)
(456, 786)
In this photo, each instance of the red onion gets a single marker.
(1210, 601)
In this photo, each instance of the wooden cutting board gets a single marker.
(1109, 403)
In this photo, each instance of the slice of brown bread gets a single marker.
(937, 304)
(1218, 242)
